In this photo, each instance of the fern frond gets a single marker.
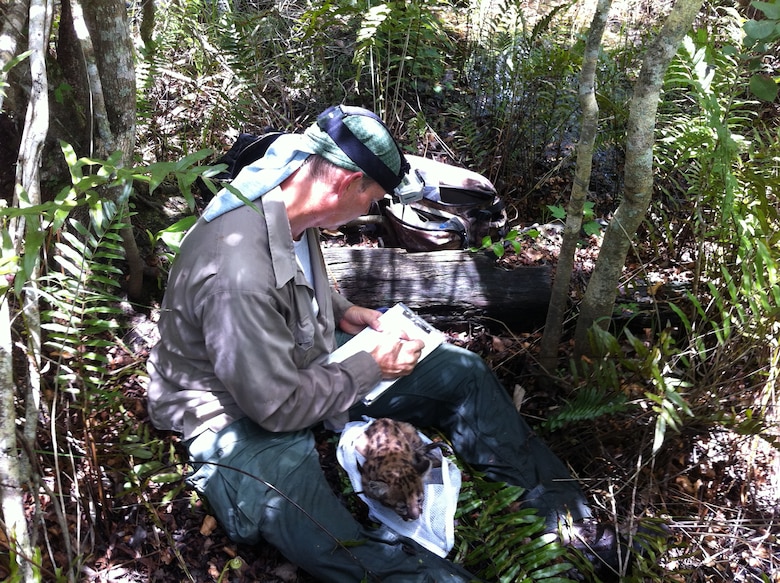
(589, 403)
(501, 543)
(83, 309)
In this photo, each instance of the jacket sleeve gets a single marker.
(340, 305)
(254, 353)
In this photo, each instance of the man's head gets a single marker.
(356, 162)
(348, 139)
(356, 139)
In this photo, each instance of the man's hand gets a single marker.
(395, 356)
(356, 318)
(394, 352)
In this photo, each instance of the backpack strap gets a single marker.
(246, 149)
(255, 150)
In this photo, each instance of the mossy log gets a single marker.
(443, 286)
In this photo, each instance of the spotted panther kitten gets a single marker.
(396, 462)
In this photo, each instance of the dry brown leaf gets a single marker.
(287, 572)
(518, 396)
(229, 551)
(213, 571)
(498, 344)
(208, 525)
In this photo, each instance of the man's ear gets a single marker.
(347, 180)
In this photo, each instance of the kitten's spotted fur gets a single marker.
(396, 462)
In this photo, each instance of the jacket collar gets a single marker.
(280, 240)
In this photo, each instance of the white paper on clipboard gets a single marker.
(398, 319)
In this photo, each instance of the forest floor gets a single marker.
(716, 489)
(716, 486)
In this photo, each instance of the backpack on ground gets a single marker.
(458, 210)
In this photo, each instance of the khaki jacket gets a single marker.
(239, 335)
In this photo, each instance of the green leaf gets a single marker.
(173, 235)
(104, 280)
(557, 211)
(33, 242)
(144, 468)
(548, 573)
(139, 451)
(763, 87)
(115, 255)
(70, 158)
(166, 478)
(97, 343)
(54, 327)
(770, 9)
(759, 29)
(71, 268)
(591, 228)
(15, 61)
(192, 159)
(84, 232)
(587, 211)
(158, 172)
(660, 432)
(498, 249)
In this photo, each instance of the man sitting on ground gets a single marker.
(246, 325)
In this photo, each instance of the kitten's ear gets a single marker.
(427, 451)
(421, 463)
(377, 489)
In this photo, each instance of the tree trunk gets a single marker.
(602, 288)
(11, 490)
(108, 80)
(28, 193)
(14, 18)
(147, 23)
(112, 95)
(548, 355)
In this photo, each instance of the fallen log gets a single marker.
(443, 286)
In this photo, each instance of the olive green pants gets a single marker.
(270, 486)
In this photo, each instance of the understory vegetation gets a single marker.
(671, 422)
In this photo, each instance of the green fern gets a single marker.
(478, 149)
(521, 80)
(589, 403)
(724, 159)
(82, 318)
(402, 47)
(498, 542)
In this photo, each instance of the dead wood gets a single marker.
(442, 285)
